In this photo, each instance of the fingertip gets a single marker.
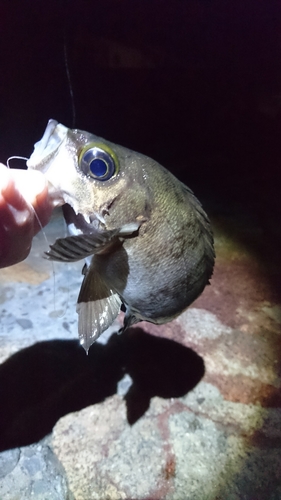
(30, 183)
(37, 179)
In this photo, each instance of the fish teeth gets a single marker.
(73, 230)
(100, 217)
(92, 218)
(87, 218)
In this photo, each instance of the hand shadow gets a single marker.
(40, 384)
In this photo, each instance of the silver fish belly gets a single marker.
(146, 239)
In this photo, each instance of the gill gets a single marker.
(56, 312)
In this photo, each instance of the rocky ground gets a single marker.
(188, 410)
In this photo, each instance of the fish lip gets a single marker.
(53, 137)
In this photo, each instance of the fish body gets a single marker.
(146, 238)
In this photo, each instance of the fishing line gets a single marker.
(70, 86)
(15, 158)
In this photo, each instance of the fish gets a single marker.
(146, 241)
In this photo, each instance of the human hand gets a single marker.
(22, 192)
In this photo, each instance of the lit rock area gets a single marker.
(190, 410)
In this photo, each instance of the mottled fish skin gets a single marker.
(150, 240)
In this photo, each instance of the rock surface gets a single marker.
(188, 410)
(32, 472)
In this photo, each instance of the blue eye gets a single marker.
(98, 167)
(98, 162)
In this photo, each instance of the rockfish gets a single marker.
(146, 239)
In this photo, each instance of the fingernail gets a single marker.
(20, 216)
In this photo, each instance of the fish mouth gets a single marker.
(77, 223)
(55, 133)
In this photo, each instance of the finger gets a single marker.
(16, 231)
(34, 189)
(18, 222)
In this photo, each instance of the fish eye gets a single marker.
(98, 161)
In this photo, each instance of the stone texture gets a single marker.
(32, 472)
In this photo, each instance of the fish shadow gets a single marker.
(40, 384)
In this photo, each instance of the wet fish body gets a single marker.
(146, 238)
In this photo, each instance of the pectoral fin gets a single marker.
(73, 248)
(97, 307)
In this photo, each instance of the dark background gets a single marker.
(194, 84)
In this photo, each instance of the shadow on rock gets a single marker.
(41, 383)
(158, 367)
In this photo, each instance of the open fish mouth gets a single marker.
(55, 133)
(78, 223)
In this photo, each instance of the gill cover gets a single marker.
(98, 161)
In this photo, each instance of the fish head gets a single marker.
(98, 179)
